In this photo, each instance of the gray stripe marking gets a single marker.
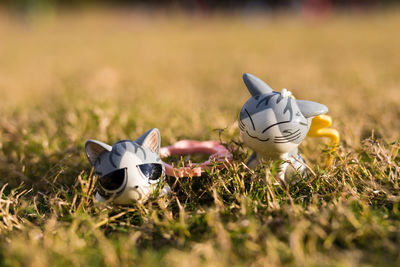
(289, 108)
(111, 160)
(141, 148)
(252, 123)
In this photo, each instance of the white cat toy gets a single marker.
(129, 170)
(273, 124)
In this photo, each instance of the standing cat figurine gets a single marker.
(129, 170)
(273, 124)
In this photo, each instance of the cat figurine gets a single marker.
(128, 170)
(273, 124)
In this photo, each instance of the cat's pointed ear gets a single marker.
(94, 149)
(151, 139)
(311, 109)
(255, 85)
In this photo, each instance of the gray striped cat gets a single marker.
(128, 170)
(273, 124)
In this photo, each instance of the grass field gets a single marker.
(66, 78)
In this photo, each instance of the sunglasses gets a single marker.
(114, 183)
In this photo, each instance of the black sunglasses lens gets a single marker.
(113, 180)
(151, 171)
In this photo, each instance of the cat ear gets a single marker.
(151, 139)
(311, 109)
(94, 149)
(255, 85)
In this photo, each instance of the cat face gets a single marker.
(129, 170)
(274, 123)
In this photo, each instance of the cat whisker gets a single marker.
(287, 136)
(291, 139)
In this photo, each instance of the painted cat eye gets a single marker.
(153, 171)
(113, 180)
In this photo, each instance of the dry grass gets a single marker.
(66, 78)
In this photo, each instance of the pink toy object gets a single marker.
(219, 155)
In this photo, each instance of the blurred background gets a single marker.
(203, 5)
(77, 70)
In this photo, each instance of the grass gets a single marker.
(69, 77)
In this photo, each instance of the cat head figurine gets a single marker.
(273, 123)
(128, 170)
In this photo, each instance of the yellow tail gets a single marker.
(319, 128)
